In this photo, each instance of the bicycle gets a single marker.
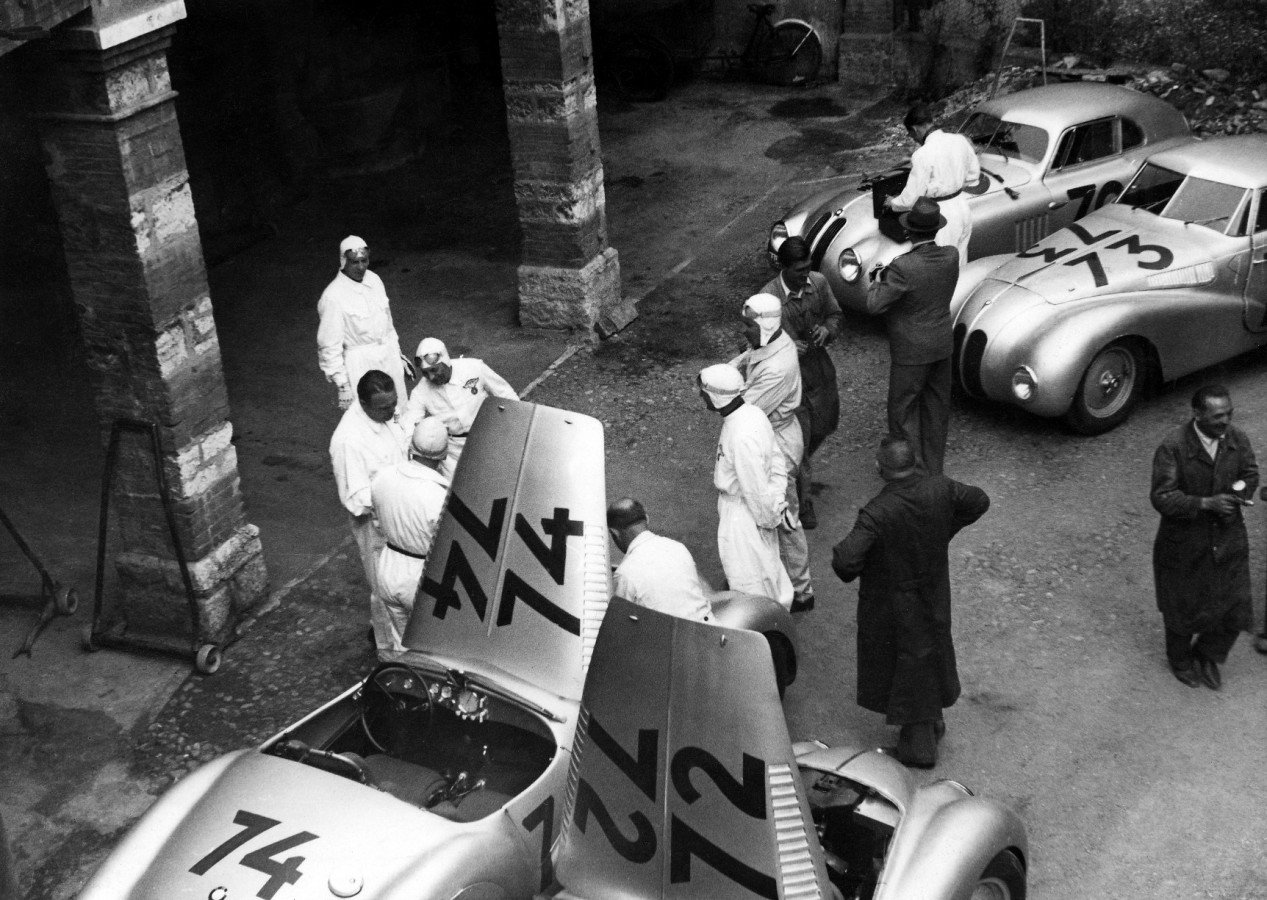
(786, 53)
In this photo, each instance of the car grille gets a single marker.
(811, 233)
(824, 242)
(1030, 231)
(973, 352)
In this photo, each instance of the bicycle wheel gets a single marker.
(792, 55)
(643, 68)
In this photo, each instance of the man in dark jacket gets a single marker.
(811, 318)
(1203, 473)
(899, 545)
(914, 293)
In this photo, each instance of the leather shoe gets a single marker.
(1260, 643)
(1188, 676)
(803, 603)
(1209, 670)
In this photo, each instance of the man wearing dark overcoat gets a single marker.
(914, 293)
(1203, 473)
(811, 318)
(899, 546)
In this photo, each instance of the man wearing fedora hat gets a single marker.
(913, 293)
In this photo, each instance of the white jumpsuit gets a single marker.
(408, 500)
(356, 334)
(359, 448)
(941, 168)
(456, 402)
(659, 573)
(751, 481)
(772, 383)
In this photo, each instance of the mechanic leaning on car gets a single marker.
(942, 165)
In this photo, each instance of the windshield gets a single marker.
(1171, 195)
(1011, 140)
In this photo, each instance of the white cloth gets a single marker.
(457, 402)
(408, 500)
(358, 449)
(767, 309)
(659, 573)
(356, 333)
(943, 165)
(751, 481)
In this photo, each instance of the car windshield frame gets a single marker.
(997, 136)
(1169, 194)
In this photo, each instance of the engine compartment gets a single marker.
(439, 742)
(854, 825)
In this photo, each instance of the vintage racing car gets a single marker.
(441, 774)
(684, 784)
(1169, 279)
(1048, 156)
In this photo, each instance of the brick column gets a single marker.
(569, 276)
(117, 170)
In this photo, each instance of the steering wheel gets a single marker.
(403, 690)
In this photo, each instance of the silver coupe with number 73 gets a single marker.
(1169, 279)
(1048, 156)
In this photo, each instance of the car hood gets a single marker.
(1112, 250)
(519, 575)
(227, 831)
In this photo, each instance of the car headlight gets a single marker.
(1023, 383)
(849, 264)
(778, 234)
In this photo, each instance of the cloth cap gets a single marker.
(431, 438)
(431, 351)
(351, 242)
(767, 309)
(924, 218)
(722, 383)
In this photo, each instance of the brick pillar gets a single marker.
(117, 170)
(569, 276)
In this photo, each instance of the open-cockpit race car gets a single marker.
(441, 774)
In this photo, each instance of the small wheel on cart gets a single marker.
(65, 601)
(87, 640)
(208, 660)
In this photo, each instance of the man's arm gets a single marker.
(1249, 468)
(352, 474)
(887, 289)
(970, 503)
(829, 309)
(496, 386)
(1167, 495)
(850, 556)
(330, 340)
(916, 183)
(765, 503)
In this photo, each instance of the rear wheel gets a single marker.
(643, 68)
(793, 55)
(784, 658)
(1003, 879)
(1109, 389)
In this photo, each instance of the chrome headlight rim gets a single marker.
(849, 265)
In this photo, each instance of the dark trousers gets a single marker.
(1181, 649)
(919, 409)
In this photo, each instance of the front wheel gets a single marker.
(1003, 879)
(793, 55)
(1109, 389)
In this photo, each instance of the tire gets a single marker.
(208, 660)
(643, 69)
(1003, 879)
(784, 658)
(793, 55)
(1109, 389)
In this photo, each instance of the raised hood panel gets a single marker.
(519, 574)
(684, 782)
(1110, 251)
(243, 837)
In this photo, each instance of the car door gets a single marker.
(1256, 282)
(1088, 168)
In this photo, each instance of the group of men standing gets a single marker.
(393, 452)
